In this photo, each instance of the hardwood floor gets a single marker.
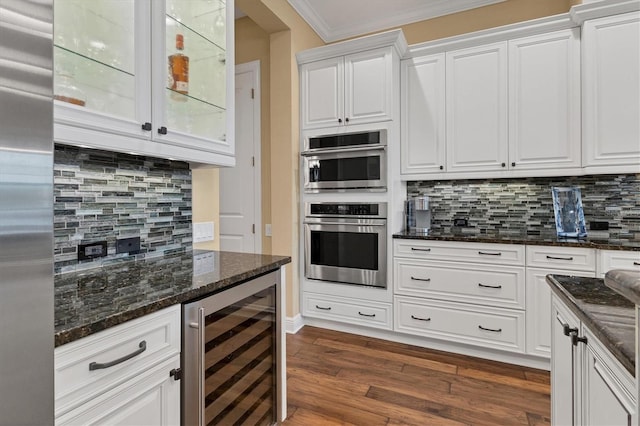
(336, 378)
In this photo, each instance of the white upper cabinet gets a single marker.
(422, 114)
(114, 87)
(611, 93)
(346, 90)
(544, 101)
(476, 91)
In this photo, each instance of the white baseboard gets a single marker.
(293, 325)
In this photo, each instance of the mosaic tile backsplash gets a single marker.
(514, 205)
(104, 195)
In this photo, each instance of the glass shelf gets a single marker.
(104, 88)
(204, 17)
(195, 116)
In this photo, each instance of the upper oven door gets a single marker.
(353, 168)
(352, 251)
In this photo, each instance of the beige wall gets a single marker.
(205, 203)
(289, 34)
(253, 44)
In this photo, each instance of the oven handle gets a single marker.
(341, 150)
(370, 223)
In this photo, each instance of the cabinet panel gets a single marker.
(76, 383)
(353, 311)
(503, 254)
(422, 114)
(152, 398)
(563, 258)
(611, 90)
(544, 101)
(322, 87)
(565, 368)
(487, 285)
(368, 86)
(618, 259)
(482, 326)
(477, 108)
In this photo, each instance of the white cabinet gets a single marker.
(541, 261)
(617, 259)
(112, 84)
(346, 90)
(469, 293)
(353, 311)
(422, 114)
(588, 385)
(476, 98)
(122, 375)
(611, 93)
(544, 101)
(510, 108)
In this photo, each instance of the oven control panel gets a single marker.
(378, 210)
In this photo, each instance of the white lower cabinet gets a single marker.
(123, 375)
(348, 310)
(541, 261)
(588, 385)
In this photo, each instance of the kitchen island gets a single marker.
(129, 351)
(96, 299)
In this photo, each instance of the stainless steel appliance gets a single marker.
(346, 243)
(26, 213)
(231, 356)
(354, 161)
(418, 215)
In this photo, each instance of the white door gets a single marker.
(240, 198)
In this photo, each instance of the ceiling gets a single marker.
(339, 19)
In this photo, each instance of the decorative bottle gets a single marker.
(178, 75)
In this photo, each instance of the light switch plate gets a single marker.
(267, 230)
(202, 231)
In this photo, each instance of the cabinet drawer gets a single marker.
(487, 285)
(502, 254)
(352, 311)
(481, 326)
(571, 258)
(75, 383)
(618, 259)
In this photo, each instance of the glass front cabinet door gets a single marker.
(146, 77)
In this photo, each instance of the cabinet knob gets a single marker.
(504, 164)
(146, 126)
(339, 120)
(441, 167)
(513, 164)
(346, 119)
(162, 130)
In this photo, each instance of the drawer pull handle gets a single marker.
(420, 319)
(489, 286)
(100, 366)
(419, 249)
(324, 309)
(636, 263)
(489, 254)
(421, 279)
(560, 258)
(366, 315)
(499, 330)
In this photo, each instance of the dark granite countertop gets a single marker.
(95, 299)
(625, 282)
(521, 237)
(608, 315)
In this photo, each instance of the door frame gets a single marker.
(254, 68)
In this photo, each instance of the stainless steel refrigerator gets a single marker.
(26, 213)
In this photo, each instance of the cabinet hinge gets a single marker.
(253, 93)
(176, 373)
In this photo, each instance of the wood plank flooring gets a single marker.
(336, 378)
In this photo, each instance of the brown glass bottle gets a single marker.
(179, 70)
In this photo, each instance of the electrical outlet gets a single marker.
(267, 230)
(92, 250)
(460, 222)
(202, 231)
(128, 245)
(597, 225)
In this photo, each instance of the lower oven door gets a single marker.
(351, 251)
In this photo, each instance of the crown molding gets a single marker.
(598, 9)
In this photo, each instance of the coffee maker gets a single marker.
(418, 215)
